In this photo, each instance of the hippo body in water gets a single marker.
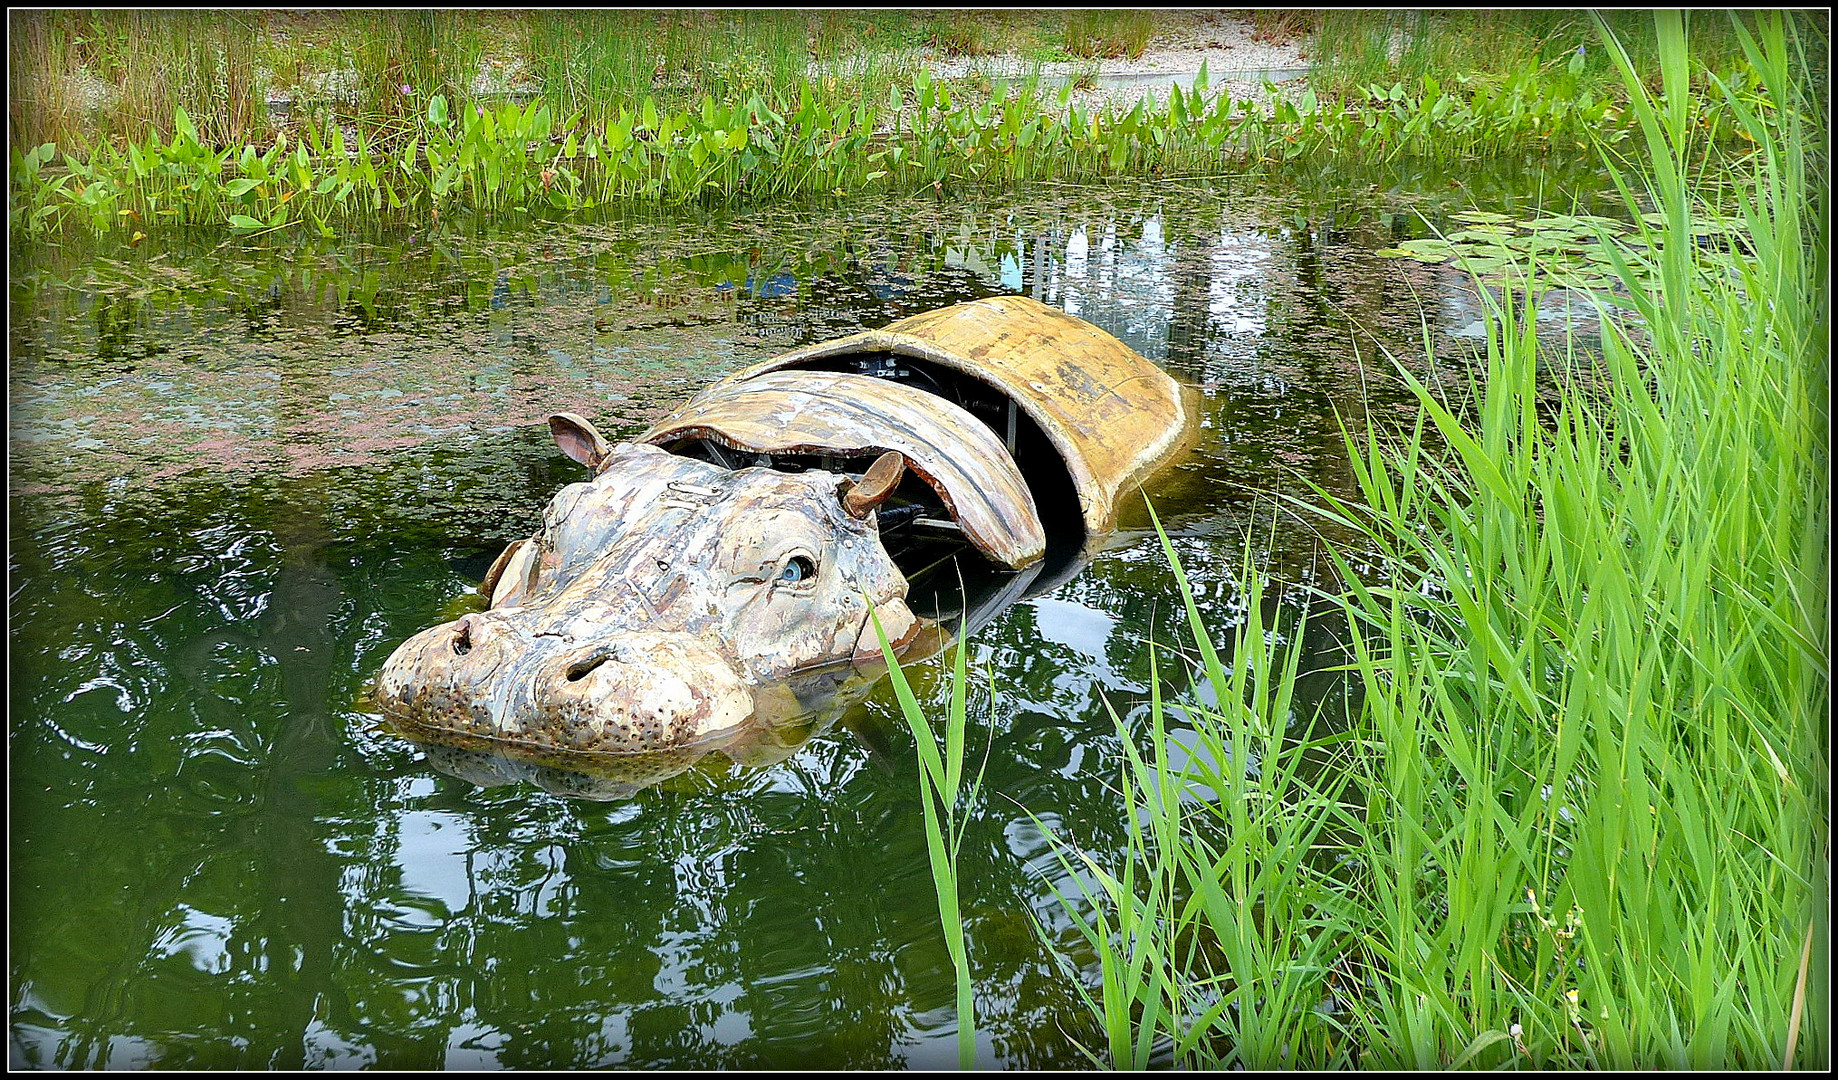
(719, 581)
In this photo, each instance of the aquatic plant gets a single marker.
(432, 154)
(946, 801)
(1578, 818)
(1602, 658)
(1212, 938)
(1108, 33)
(1357, 48)
(1574, 251)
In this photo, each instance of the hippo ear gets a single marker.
(492, 575)
(862, 496)
(578, 439)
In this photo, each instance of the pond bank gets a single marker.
(415, 123)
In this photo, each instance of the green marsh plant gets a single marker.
(428, 148)
(1111, 34)
(1579, 817)
(1595, 681)
(682, 106)
(1212, 947)
(947, 800)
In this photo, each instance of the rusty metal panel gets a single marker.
(1112, 415)
(818, 412)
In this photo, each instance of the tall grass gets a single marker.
(604, 61)
(147, 63)
(946, 800)
(1356, 48)
(400, 60)
(1212, 947)
(1108, 33)
(41, 101)
(1580, 819)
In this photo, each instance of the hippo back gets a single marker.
(842, 415)
(1110, 416)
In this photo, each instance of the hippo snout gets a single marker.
(630, 692)
(638, 692)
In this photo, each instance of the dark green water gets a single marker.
(241, 472)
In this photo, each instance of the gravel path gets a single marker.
(1237, 57)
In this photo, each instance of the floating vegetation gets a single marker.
(1573, 251)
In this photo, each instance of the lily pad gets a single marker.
(1549, 228)
(1546, 243)
(1417, 255)
(1583, 282)
(1417, 249)
(1593, 220)
(1482, 233)
(1586, 253)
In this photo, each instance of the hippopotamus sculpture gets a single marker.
(723, 573)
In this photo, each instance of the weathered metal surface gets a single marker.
(671, 606)
(1113, 416)
(836, 413)
(650, 607)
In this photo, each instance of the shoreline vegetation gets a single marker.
(123, 121)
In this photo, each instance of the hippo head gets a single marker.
(660, 605)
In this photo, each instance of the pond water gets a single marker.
(243, 470)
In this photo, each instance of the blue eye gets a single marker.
(797, 568)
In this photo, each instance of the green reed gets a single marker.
(1108, 33)
(1355, 48)
(599, 62)
(946, 800)
(1579, 818)
(1212, 946)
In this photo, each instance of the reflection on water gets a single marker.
(241, 474)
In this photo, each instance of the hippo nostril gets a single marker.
(462, 638)
(581, 667)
